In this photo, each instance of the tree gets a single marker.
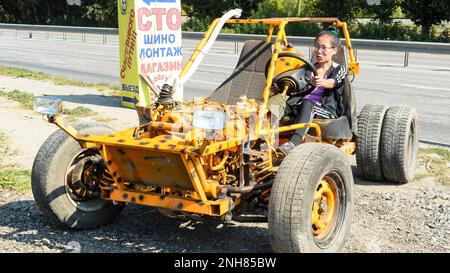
(426, 13)
(92, 12)
(216, 8)
(384, 11)
(345, 10)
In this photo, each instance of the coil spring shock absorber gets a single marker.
(105, 179)
(260, 174)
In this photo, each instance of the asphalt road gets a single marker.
(424, 84)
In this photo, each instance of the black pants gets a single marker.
(303, 113)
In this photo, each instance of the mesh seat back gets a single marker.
(248, 77)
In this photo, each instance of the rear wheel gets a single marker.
(368, 155)
(311, 200)
(399, 144)
(63, 185)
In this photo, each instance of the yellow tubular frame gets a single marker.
(193, 156)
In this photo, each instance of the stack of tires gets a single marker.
(387, 143)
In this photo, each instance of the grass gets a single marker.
(12, 177)
(58, 80)
(436, 162)
(5, 151)
(16, 179)
(24, 98)
(74, 114)
(80, 111)
(26, 101)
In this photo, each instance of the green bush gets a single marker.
(396, 31)
(287, 8)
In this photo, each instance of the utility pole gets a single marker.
(299, 7)
(74, 2)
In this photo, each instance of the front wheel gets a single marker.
(311, 200)
(62, 182)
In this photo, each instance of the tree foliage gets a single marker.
(200, 13)
(216, 8)
(426, 13)
(384, 11)
(101, 13)
(345, 10)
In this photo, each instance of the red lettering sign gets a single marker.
(172, 18)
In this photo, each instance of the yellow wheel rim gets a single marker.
(324, 207)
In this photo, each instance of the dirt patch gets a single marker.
(387, 218)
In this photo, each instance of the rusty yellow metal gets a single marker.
(165, 143)
(209, 187)
(112, 168)
(288, 63)
(270, 75)
(213, 208)
(315, 126)
(279, 21)
(169, 154)
(354, 66)
(323, 220)
(199, 189)
(349, 148)
(269, 35)
(63, 125)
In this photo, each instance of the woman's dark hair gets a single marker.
(334, 38)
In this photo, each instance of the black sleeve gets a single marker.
(338, 74)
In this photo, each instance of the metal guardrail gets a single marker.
(59, 29)
(49, 28)
(403, 46)
(424, 47)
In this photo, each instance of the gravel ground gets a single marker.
(406, 218)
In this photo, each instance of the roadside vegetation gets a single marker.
(428, 16)
(72, 115)
(436, 163)
(25, 99)
(11, 176)
(58, 80)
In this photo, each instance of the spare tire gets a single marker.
(368, 155)
(399, 144)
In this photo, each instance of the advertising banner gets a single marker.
(150, 43)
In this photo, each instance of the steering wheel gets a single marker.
(295, 79)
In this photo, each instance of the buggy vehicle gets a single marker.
(215, 156)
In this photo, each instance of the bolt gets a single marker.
(228, 217)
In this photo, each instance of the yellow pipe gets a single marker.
(63, 125)
(198, 186)
(199, 48)
(343, 25)
(269, 80)
(208, 187)
(219, 166)
(269, 36)
(315, 126)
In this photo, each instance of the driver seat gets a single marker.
(248, 78)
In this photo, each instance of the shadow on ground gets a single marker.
(136, 229)
(362, 182)
(92, 99)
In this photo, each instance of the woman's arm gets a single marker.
(335, 79)
(338, 74)
(319, 82)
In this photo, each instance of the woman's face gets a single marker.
(323, 49)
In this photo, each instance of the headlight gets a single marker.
(47, 105)
(209, 119)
